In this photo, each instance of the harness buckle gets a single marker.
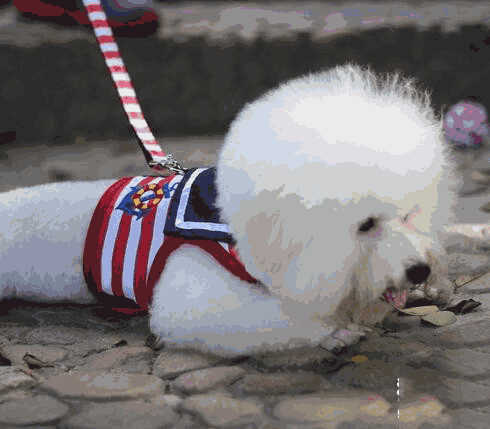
(167, 162)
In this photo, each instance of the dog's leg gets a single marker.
(42, 233)
(198, 304)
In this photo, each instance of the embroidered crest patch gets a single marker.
(140, 200)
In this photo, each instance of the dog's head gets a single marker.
(335, 187)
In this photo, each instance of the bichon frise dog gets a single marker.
(324, 209)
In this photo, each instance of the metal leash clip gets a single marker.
(169, 163)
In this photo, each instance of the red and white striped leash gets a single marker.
(155, 156)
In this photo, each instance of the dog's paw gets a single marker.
(438, 290)
(440, 293)
(333, 345)
(343, 338)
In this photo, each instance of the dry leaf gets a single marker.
(440, 318)
(464, 306)
(359, 359)
(419, 311)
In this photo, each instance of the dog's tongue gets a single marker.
(398, 299)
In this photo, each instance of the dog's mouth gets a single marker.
(395, 297)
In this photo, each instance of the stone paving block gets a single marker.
(35, 410)
(473, 230)
(103, 385)
(390, 380)
(426, 409)
(465, 263)
(12, 377)
(460, 392)
(466, 418)
(126, 359)
(202, 380)
(396, 322)
(14, 314)
(468, 363)
(55, 335)
(171, 400)
(362, 424)
(122, 415)
(71, 316)
(46, 354)
(281, 383)
(188, 422)
(335, 408)
(171, 363)
(15, 395)
(275, 424)
(390, 349)
(480, 285)
(14, 333)
(220, 410)
(3, 340)
(300, 358)
(465, 334)
(468, 238)
(79, 341)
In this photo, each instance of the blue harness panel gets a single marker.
(192, 212)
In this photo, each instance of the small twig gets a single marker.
(473, 278)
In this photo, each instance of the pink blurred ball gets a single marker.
(465, 124)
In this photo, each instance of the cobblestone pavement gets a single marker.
(79, 367)
(73, 367)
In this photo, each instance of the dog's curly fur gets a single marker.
(334, 185)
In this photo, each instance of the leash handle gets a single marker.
(154, 155)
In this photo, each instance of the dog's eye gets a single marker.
(368, 224)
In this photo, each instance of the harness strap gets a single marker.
(213, 248)
(154, 155)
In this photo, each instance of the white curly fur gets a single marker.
(301, 168)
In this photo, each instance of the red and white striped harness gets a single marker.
(125, 253)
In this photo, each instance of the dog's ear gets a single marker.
(272, 245)
(268, 234)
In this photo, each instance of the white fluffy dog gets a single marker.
(335, 187)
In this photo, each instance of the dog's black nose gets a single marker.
(417, 273)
